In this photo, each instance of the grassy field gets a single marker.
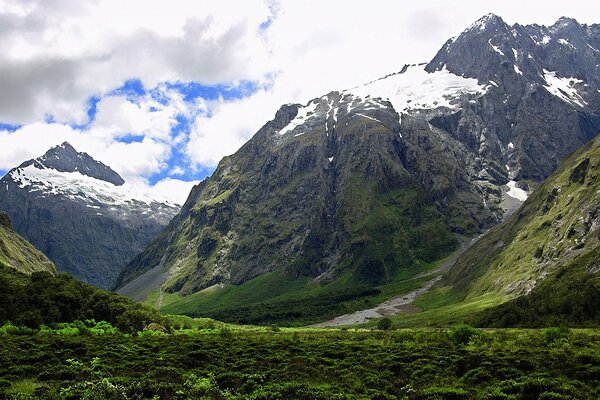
(217, 361)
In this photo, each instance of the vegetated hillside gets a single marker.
(17, 253)
(81, 213)
(547, 254)
(44, 298)
(31, 293)
(369, 185)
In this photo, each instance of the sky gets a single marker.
(162, 90)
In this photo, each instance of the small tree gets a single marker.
(384, 324)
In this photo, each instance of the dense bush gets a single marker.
(302, 364)
(462, 334)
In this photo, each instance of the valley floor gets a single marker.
(402, 304)
(223, 362)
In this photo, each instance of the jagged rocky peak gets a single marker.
(486, 23)
(492, 50)
(64, 158)
(565, 24)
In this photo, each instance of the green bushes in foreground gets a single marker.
(239, 363)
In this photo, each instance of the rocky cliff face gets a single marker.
(374, 180)
(81, 214)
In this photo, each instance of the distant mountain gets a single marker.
(17, 253)
(368, 185)
(547, 254)
(81, 213)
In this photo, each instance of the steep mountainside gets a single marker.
(17, 253)
(81, 214)
(371, 183)
(549, 249)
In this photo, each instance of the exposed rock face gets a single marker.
(540, 77)
(80, 213)
(374, 179)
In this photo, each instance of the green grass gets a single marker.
(17, 253)
(543, 236)
(436, 314)
(23, 388)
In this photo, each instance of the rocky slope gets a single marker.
(557, 225)
(372, 182)
(81, 214)
(17, 253)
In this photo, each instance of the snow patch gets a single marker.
(330, 159)
(366, 116)
(563, 88)
(75, 185)
(565, 42)
(516, 192)
(496, 48)
(301, 117)
(511, 146)
(517, 70)
(417, 89)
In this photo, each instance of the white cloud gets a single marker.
(176, 171)
(174, 190)
(229, 125)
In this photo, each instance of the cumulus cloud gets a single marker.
(55, 54)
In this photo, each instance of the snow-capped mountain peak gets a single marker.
(64, 158)
(81, 213)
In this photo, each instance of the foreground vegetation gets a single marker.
(216, 361)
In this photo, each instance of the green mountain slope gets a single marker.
(545, 259)
(31, 292)
(17, 253)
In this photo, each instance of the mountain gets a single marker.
(371, 185)
(547, 255)
(17, 253)
(81, 213)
